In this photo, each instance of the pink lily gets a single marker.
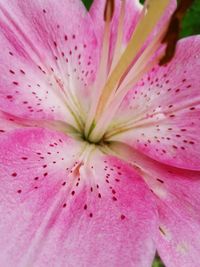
(99, 162)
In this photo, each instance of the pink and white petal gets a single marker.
(177, 191)
(175, 187)
(25, 90)
(7, 123)
(178, 243)
(177, 197)
(178, 239)
(63, 212)
(33, 165)
(10, 122)
(164, 109)
(65, 57)
(110, 222)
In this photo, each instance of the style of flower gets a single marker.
(99, 162)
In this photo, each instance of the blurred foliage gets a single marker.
(157, 262)
(87, 3)
(190, 26)
(191, 22)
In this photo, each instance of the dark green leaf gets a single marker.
(87, 3)
(191, 22)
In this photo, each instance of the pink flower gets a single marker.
(100, 155)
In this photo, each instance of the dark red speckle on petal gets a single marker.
(122, 217)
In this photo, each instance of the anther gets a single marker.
(109, 10)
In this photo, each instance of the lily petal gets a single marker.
(30, 161)
(179, 239)
(97, 213)
(7, 123)
(60, 67)
(163, 110)
(177, 197)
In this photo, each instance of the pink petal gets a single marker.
(10, 122)
(163, 110)
(24, 89)
(34, 165)
(177, 196)
(7, 123)
(178, 202)
(69, 213)
(44, 57)
(179, 239)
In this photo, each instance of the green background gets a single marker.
(190, 26)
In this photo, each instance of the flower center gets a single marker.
(121, 66)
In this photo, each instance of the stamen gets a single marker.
(70, 101)
(66, 99)
(142, 65)
(155, 10)
(109, 10)
(143, 61)
(112, 106)
(118, 46)
(142, 122)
